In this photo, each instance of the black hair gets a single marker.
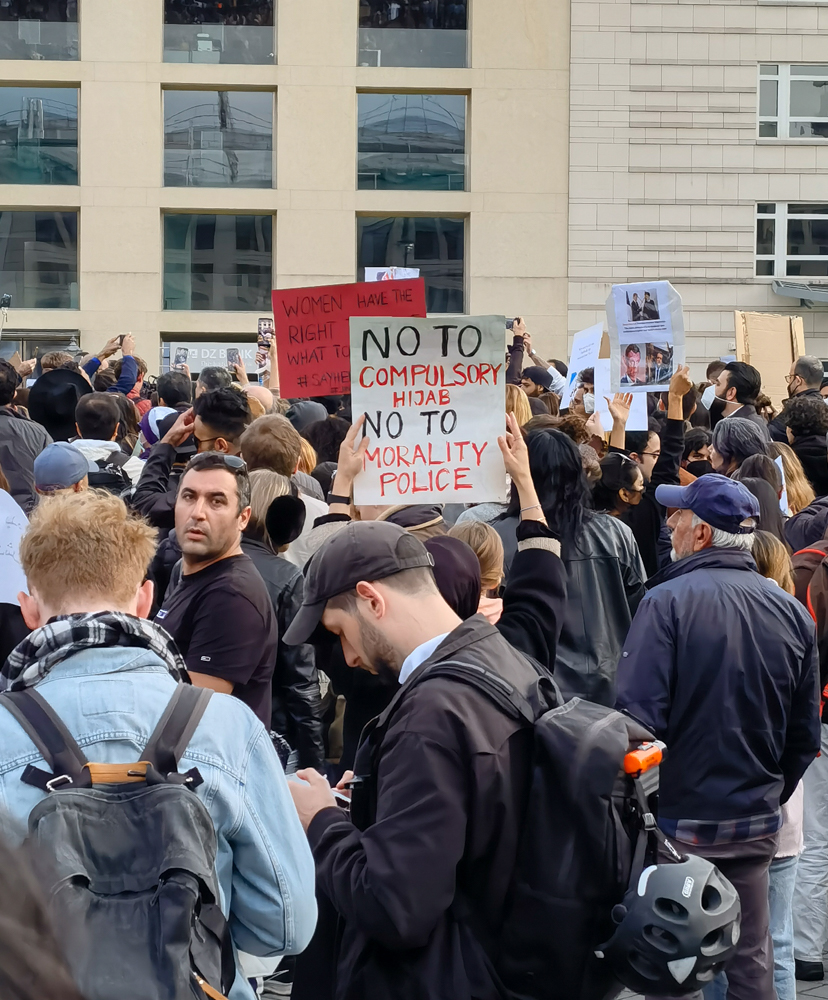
(770, 516)
(213, 378)
(128, 429)
(324, 475)
(103, 380)
(230, 463)
(714, 370)
(810, 370)
(760, 467)
(807, 416)
(617, 473)
(333, 404)
(695, 440)
(225, 411)
(562, 368)
(632, 349)
(9, 381)
(745, 379)
(97, 416)
(588, 375)
(560, 481)
(326, 436)
(173, 388)
(637, 441)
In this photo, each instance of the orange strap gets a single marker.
(208, 989)
(118, 774)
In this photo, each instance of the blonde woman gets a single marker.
(517, 403)
(800, 492)
(308, 459)
(485, 542)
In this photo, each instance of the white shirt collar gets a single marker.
(419, 656)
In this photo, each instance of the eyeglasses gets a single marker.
(652, 454)
(790, 378)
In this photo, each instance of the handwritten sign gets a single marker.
(434, 397)
(312, 333)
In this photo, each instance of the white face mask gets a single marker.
(708, 396)
(589, 402)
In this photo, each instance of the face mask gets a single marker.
(708, 396)
(589, 402)
(700, 468)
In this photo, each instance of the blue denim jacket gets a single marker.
(111, 700)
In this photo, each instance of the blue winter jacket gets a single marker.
(721, 664)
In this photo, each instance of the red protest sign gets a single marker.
(313, 333)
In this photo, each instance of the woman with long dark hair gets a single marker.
(605, 575)
(620, 487)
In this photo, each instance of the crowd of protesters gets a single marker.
(204, 531)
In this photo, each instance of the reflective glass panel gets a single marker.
(808, 237)
(808, 98)
(765, 231)
(219, 31)
(768, 97)
(39, 29)
(38, 135)
(413, 32)
(39, 259)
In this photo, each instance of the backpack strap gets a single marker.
(175, 728)
(56, 744)
(495, 687)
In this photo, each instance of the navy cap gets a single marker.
(59, 466)
(363, 550)
(720, 502)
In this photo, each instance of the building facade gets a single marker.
(165, 163)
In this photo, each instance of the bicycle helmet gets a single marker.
(676, 929)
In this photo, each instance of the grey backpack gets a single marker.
(132, 853)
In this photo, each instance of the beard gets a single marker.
(382, 658)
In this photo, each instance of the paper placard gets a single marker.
(646, 332)
(313, 336)
(391, 273)
(639, 419)
(434, 396)
(585, 349)
(13, 522)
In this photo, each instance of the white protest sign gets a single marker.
(639, 419)
(646, 332)
(13, 523)
(434, 396)
(391, 273)
(585, 348)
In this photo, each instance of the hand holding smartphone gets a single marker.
(233, 358)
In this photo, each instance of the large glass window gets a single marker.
(413, 32)
(793, 102)
(792, 239)
(31, 343)
(219, 31)
(434, 245)
(38, 135)
(220, 262)
(218, 138)
(38, 29)
(415, 141)
(39, 259)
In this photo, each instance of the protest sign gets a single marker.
(312, 333)
(585, 349)
(434, 396)
(391, 273)
(14, 523)
(639, 419)
(646, 332)
(770, 343)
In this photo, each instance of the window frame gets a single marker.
(780, 257)
(783, 118)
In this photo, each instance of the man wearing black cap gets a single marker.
(536, 381)
(442, 778)
(721, 664)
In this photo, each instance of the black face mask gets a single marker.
(700, 468)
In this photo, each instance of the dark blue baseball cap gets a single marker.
(720, 502)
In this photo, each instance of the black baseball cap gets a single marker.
(364, 550)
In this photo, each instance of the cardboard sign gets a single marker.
(434, 396)
(770, 343)
(312, 332)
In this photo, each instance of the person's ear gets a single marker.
(702, 537)
(244, 518)
(143, 604)
(374, 601)
(221, 445)
(635, 457)
(31, 610)
(78, 430)
(730, 395)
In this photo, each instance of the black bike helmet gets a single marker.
(676, 929)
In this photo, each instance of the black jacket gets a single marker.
(604, 583)
(778, 426)
(721, 664)
(647, 520)
(812, 452)
(155, 493)
(808, 526)
(297, 704)
(450, 780)
(21, 441)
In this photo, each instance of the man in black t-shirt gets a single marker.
(220, 614)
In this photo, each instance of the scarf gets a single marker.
(66, 635)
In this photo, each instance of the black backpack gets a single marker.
(588, 833)
(111, 475)
(132, 853)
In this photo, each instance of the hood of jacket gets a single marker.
(712, 558)
(93, 451)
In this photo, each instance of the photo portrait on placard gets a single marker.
(646, 334)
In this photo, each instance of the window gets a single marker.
(792, 240)
(413, 32)
(39, 259)
(38, 135)
(221, 262)
(39, 29)
(793, 102)
(219, 31)
(434, 245)
(218, 138)
(29, 344)
(414, 141)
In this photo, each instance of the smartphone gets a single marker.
(265, 334)
(182, 356)
(121, 339)
(233, 357)
(510, 324)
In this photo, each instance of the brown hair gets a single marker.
(4, 483)
(773, 559)
(82, 545)
(308, 459)
(54, 359)
(517, 403)
(265, 487)
(271, 442)
(800, 492)
(257, 407)
(488, 548)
